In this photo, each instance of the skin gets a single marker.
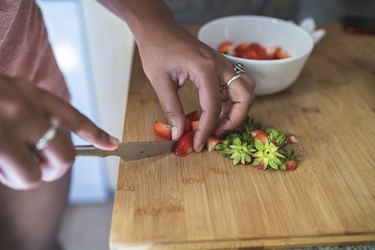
(161, 39)
(27, 112)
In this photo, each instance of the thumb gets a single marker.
(166, 91)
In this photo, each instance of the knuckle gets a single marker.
(206, 64)
(17, 111)
(173, 115)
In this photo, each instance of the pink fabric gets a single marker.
(24, 48)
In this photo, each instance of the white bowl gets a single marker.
(271, 76)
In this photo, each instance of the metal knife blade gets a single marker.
(129, 151)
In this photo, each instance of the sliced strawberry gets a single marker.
(184, 145)
(240, 48)
(162, 129)
(248, 54)
(187, 125)
(290, 165)
(270, 51)
(226, 47)
(261, 137)
(212, 142)
(292, 139)
(192, 116)
(281, 54)
(256, 47)
(259, 166)
(194, 125)
(257, 131)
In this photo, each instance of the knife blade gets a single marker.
(129, 151)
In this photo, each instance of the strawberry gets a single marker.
(257, 131)
(270, 51)
(192, 116)
(248, 54)
(187, 125)
(184, 145)
(281, 54)
(259, 166)
(162, 129)
(261, 137)
(194, 125)
(292, 139)
(226, 47)
(290, 165)
(212, 142)
(291, 162)
(240, 48)
(256, 47)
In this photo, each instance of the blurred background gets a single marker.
(94, 51)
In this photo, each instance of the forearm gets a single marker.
(144, 17)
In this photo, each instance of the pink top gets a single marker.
(24, 48)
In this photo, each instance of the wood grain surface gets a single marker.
(203, 202)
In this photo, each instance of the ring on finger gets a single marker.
(46, 139)
(238, 69)
(235, 77)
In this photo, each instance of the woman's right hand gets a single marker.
(26, 113)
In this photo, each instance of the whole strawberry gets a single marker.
(291, 161)
(290, 165)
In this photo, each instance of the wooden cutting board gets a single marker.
(201, 201)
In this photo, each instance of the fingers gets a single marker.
(166, 91)
(18, 169)
(71, 119)
(209, 98)
(57, 158)
(240, 92)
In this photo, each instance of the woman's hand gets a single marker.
(170, 56)
(26, 113)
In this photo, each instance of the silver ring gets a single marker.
(239, 68)
(46, 139)
(235, 77)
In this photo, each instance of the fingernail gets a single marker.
(114, 140)
(174, 133)
(200, 148)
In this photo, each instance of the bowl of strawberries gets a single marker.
(273, 51)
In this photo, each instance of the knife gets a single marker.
(129, 151)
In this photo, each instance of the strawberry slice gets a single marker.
(184, 145)
(162, 129)
(226, 47)
(194, 125)
(261, 137)
(192, 116)
(240, 48)
(212, 142)
(257, 131)
(187, 125)
(259, 166)
(292, 139)
(281, 54)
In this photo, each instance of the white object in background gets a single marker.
(271, 76)
(66, 34)
(110, 45)
(309, 25)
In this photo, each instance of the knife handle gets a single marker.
(90, 150)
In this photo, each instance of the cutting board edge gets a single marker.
(281, 242)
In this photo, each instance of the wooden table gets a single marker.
(201, 201)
